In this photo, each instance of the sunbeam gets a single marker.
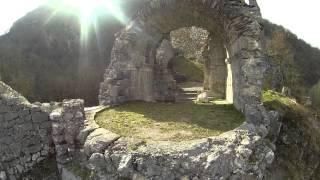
(89, 10)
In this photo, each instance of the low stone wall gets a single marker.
(25, 133)
(66, 124)
(243, 153)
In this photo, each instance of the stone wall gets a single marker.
(215, 76)
(66, 124)
(25, 133)
(165, 87)
(190, 41)
(130, 74)
(243, 153)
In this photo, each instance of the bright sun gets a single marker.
(89, 9)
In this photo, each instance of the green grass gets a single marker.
(283, 104)
(191, 69)
(170, 121)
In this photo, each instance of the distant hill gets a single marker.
(40, 56)
(293, 62)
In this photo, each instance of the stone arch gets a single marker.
(234, 25)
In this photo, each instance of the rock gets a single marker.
(275, 125)
(203, 98)
(67, 174)
(86, 131)
(270, 157)
(99, 140)
(253, 114)
(97, 160)
(3, 175)
(286, 91)
(125, 165)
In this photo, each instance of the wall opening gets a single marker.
(191, 60)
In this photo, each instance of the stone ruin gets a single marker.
(135, 72)
(139, 71)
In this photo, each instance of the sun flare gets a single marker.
(89, 10)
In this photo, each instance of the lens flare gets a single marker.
(89, 9)
(88, 12)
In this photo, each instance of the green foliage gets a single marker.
(191, 69)
(281, 55)
(170, 121)
(294, 63)
(315, 94)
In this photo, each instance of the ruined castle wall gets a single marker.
(25, 133)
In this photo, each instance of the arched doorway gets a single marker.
(234, 29)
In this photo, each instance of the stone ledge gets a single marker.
(240, 153)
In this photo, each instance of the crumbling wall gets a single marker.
(242, 153)
(25, 133)
(66, 124)
(133, 62)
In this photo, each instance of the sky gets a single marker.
(300, 17)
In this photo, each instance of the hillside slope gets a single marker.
(43, 58)
(293, 62)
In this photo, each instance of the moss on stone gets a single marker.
(298, 146)
(292, 110)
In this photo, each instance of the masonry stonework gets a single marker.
(25, 135)
(131, 73)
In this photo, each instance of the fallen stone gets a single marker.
(99, 140)
(3, 175)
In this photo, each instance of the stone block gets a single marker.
(3, 175)
(10, 116)
(99, 140)
(39, 117)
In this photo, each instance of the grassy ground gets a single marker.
(170, 121)
(191, 69)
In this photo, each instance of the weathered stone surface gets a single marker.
(67, 122)
(223, 157)
(99, 140)
(203, 98)
(67, 174)
(25, 133)
(3, 175)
